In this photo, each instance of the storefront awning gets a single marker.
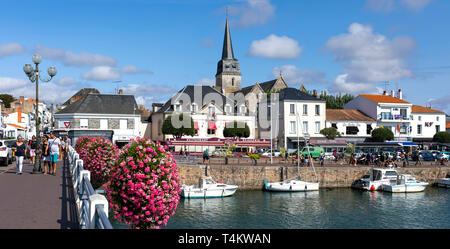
(196, 125)
(212, 126)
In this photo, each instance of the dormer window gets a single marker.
(243, 109)
(228, 109)
(177, 107)
(194, 108)
(211, 110)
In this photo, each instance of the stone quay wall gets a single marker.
(252, 177)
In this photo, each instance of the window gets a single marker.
(211, 131)
(438, 128)
(211, 110)
(420, 118)
(305, 109)
(123, 124)
(194, 108)
(351, 130)
(292, 130)
(242, 109)
(305, 126)
(403, 129)
(317, 127)
(232, 82)
(84, 123)
(334, 125)
(228, 109)
(403, 113)
(103, 124)
(437, 118)
(292, 108)
(177, 108)
(419, 129)
(369, 129)
(318, 110)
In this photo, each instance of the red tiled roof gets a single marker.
(347, 115)
(384, 99)
(447, 125)
(422, 109)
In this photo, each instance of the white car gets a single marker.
(5, 153)
(276, 153)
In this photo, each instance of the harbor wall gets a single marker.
(252, 177)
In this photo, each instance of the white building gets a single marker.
(390, 112)
(300, 116)
(114, 116)
(425, 123)
(209, 109)
(352, 125)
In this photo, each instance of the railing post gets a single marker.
(94, 200)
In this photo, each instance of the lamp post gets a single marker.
(34, 76)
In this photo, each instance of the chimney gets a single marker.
(22, 99)
(392, 93)
(400, 94)
(315, 93)
(120, 91)
(19, 114)
(384, 92)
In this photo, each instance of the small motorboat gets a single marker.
(376, 179)
(208, 188)
(292, 185)
(404, 184)
(444, 182)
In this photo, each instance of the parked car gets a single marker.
(314, 151)
(6, 156)
(427, 156)
(276, 153)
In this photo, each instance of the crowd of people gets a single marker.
(51, 149)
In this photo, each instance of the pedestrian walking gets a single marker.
(206, 156)
(20, 151)
(45, 152)
(32, 146)
(419, 159)
(321, 158)
(55, 150)
(67, 145)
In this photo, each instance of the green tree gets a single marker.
(7, 99)
(336, 101)
(236, 129)
(330, 133)
(441, 137)
(382, 134)
(185, 130)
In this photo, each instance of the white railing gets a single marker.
(92, 208)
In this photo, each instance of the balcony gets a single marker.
(391, 117)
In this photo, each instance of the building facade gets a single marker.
(352, 125)
(426, 122)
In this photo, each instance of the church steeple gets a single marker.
(227, 51)
(228, 77)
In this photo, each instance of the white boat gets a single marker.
(444, 182)
(292, 185)
(208, 188)
(376, 179)
(404, 184)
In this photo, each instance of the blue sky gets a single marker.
(156, 47)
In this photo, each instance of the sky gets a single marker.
(152, 49)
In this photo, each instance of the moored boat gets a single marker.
(208, 188)
(404, 184)
(444, 182)
(292, 185)
(376, 179)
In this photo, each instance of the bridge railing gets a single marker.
(92, 207)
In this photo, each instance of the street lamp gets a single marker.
(34, 75)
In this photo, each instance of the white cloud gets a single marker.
(390, 5)
(441, 104)
(69, 58)
(143, 89)
(48, 92)
(275, 47)
(131, 69)
(8, 49)
(415, 5)
(254, 12)
(102, 73)
(343, 85)
(370, 57)
(66, 81)
(296, 76)
(206, 82)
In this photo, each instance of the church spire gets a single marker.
(227, 52)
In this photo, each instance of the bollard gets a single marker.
(94, 200)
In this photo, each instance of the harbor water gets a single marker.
(339, 208)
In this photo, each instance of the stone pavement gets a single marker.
(37, 201)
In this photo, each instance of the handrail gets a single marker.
(92, 207)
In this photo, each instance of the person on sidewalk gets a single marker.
(45, 151)
(32, 146)
(20, 150)
(55, 150)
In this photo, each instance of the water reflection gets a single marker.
(327, 208)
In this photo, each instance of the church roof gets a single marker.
(267, 86)
(227, 51)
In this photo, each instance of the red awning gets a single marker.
(212, 126)
(196, 125)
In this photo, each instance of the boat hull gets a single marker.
(191, 193)
(368, 185)
(443, 182)
(405, 188)
(294, 186)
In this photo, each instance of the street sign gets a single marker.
(67, 124)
